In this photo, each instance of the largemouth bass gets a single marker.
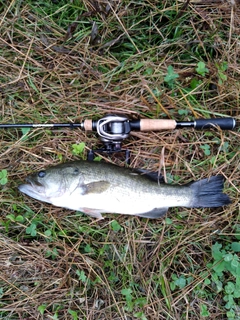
(95, 188)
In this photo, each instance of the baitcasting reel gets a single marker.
(112, 130)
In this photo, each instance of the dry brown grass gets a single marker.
(49, 75)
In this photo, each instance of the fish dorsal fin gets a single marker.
(96, 187)
(154, 214)
(151, 175)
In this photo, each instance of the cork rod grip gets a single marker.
(157, 124)
(88, 125)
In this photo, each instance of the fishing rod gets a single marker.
(113, 129)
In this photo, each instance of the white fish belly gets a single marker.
(124, 202)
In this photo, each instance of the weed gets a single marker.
(82, 276)
(3, 177)
(222, 68)
(78, 149)
(74, 314)
(171, 77)
(206, 148)
(183, 112)
(202, 69)
(42, 308)
(116, 226)
(25, 132)
(226, 265)
(204, 311)
(132, 302)
(32, 229)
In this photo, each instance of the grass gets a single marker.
(67, 61)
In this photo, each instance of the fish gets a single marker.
(95, 188)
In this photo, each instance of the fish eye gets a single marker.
(75, 171)
(41, 174)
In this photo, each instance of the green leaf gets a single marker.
(140, 315)
(81, 275)
(180, 282)
(157, 92)
(11, 217)
(149, 71)
(52, 253)
(48, 233)
(230, 301)
(32, 230)
(19, 218)
(206, 149)
(3, 173)
(195, 83)
(1, 292)
(201, 68)
(236, 293)
(74, 314)
(231, 314)
(88, 248)
(55, 317)
(235, 246)
(235, 263)
(219, 286)
(228, 257)
(219, 267)
(237, 232)
(42, 308)
(204, 311)
(171, 76)
(127, 293)
(77, 149)
(25, 132)
(172, 285)
(138, 65)
(97, 158)
(216, 253)
(223, 66)
(224, 147)
(3, 181)
(3, 177)
(115, 226)
(222, 76)
(183, 112)
(229, 288)
(168, 221)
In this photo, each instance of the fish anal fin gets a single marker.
(154, 214)
(95, 213)
(96, 187)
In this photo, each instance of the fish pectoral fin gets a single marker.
(154, 214)
(96, 187)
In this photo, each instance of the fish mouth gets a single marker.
(33, 183)
(34, 190)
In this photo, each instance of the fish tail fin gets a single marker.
(208, 193)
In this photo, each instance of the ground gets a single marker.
(67, 61)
